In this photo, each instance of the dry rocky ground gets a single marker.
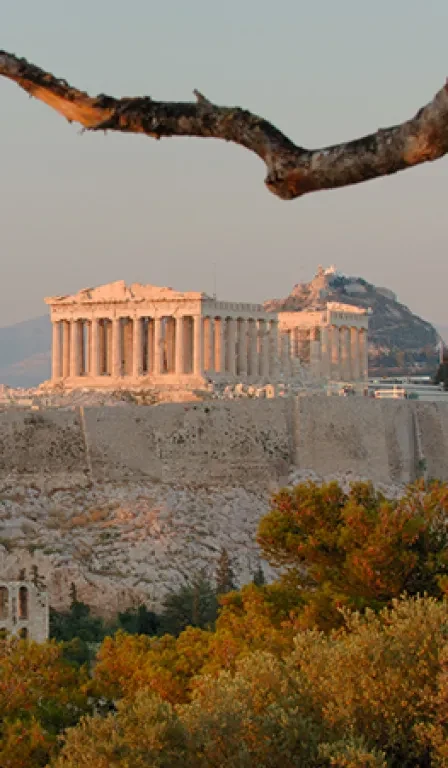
(124, 543)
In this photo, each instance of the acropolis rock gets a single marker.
(130, 502)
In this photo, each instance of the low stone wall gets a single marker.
(240, 442)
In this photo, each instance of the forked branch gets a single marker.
(292, 171)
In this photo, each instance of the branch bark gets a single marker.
(292, 170)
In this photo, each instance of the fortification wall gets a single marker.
(370, 438)
(226, 442)
(217, 442)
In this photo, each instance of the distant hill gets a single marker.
(399, 340)
(25, 352)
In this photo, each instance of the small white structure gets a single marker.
(24, 610)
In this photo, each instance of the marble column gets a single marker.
(253, 349)
(345, 354)
(108, 346)
(82, 347)
(354, 334)
(220, 344)
(116, 348)
(325, 352)
(264, 348)
(179, 342)
(209, 339)
(170, 350)
(303, 345)
(137, 347)
(188, 344)
(127, 346)
(198, 352)
(94, 348)
(364, 355)
(242, 348)
(231, 346)
(273, 352)
(65, 349)
(296, 342)
(158, 346)
(74, 349)
(315, 351)
(88, 348)
(56, 360)
(102, 331)
(335, 353)
(150, 345)
(284, 353)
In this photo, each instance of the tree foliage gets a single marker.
(224, 576)
(194, 604)
(372, 694)
(139, 621)
(356, 549)
(324, 667)
(40, 695)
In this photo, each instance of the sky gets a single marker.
(79, 210)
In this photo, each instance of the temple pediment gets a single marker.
(119, 291)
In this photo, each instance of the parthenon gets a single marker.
(118, 335)
(131, 336)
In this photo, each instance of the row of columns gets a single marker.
(179, 345)
(333, 352)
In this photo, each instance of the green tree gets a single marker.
(259, 578)
(78, 630)
(194, 604)
(224, 576)
(76, 623)
(139, 621)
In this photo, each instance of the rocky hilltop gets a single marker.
(399, 340)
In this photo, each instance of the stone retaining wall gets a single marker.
(242, 441)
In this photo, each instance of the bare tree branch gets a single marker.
(292, 171)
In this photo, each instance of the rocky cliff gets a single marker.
(399, 340)
(128, 502)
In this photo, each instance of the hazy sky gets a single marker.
(80, 210)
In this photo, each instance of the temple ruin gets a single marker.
(332, 341)
(119, 336)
